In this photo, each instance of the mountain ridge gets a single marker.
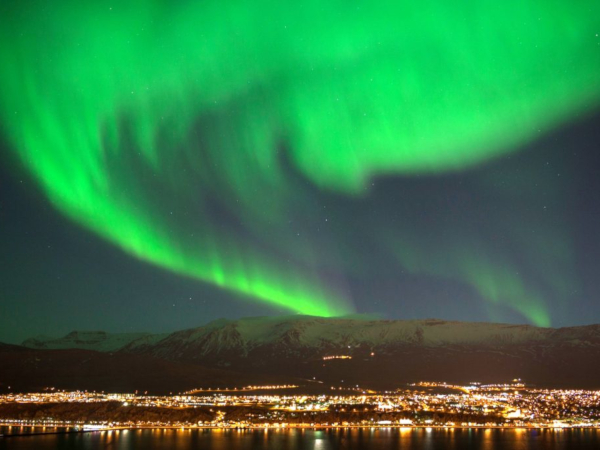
(316, 331)
(379, 353)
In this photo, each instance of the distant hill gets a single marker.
(90, 340)
(10, 347)
(35, 370)
(371, 353)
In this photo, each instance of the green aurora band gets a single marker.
(123, 110)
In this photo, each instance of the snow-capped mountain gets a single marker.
(90, 340)
(289, 334)
(365, 351)
(307, 332)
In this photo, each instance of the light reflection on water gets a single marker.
(358, 439)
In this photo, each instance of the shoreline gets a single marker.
(69, 429)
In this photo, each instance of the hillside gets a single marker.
(35, 370)
(90, 340)
(371, 353)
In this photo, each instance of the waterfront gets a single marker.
(296, 439)
(428, 404)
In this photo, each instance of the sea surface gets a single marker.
(372, 439)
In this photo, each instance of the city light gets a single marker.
(423, 404)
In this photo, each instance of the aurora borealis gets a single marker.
(294, 155)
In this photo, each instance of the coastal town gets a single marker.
(423, 404)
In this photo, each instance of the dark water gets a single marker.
(372, 439)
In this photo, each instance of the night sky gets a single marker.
(166, 165)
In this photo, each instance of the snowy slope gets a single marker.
(279, 334)
(384, 353)
(88, 340)
(307, 332)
